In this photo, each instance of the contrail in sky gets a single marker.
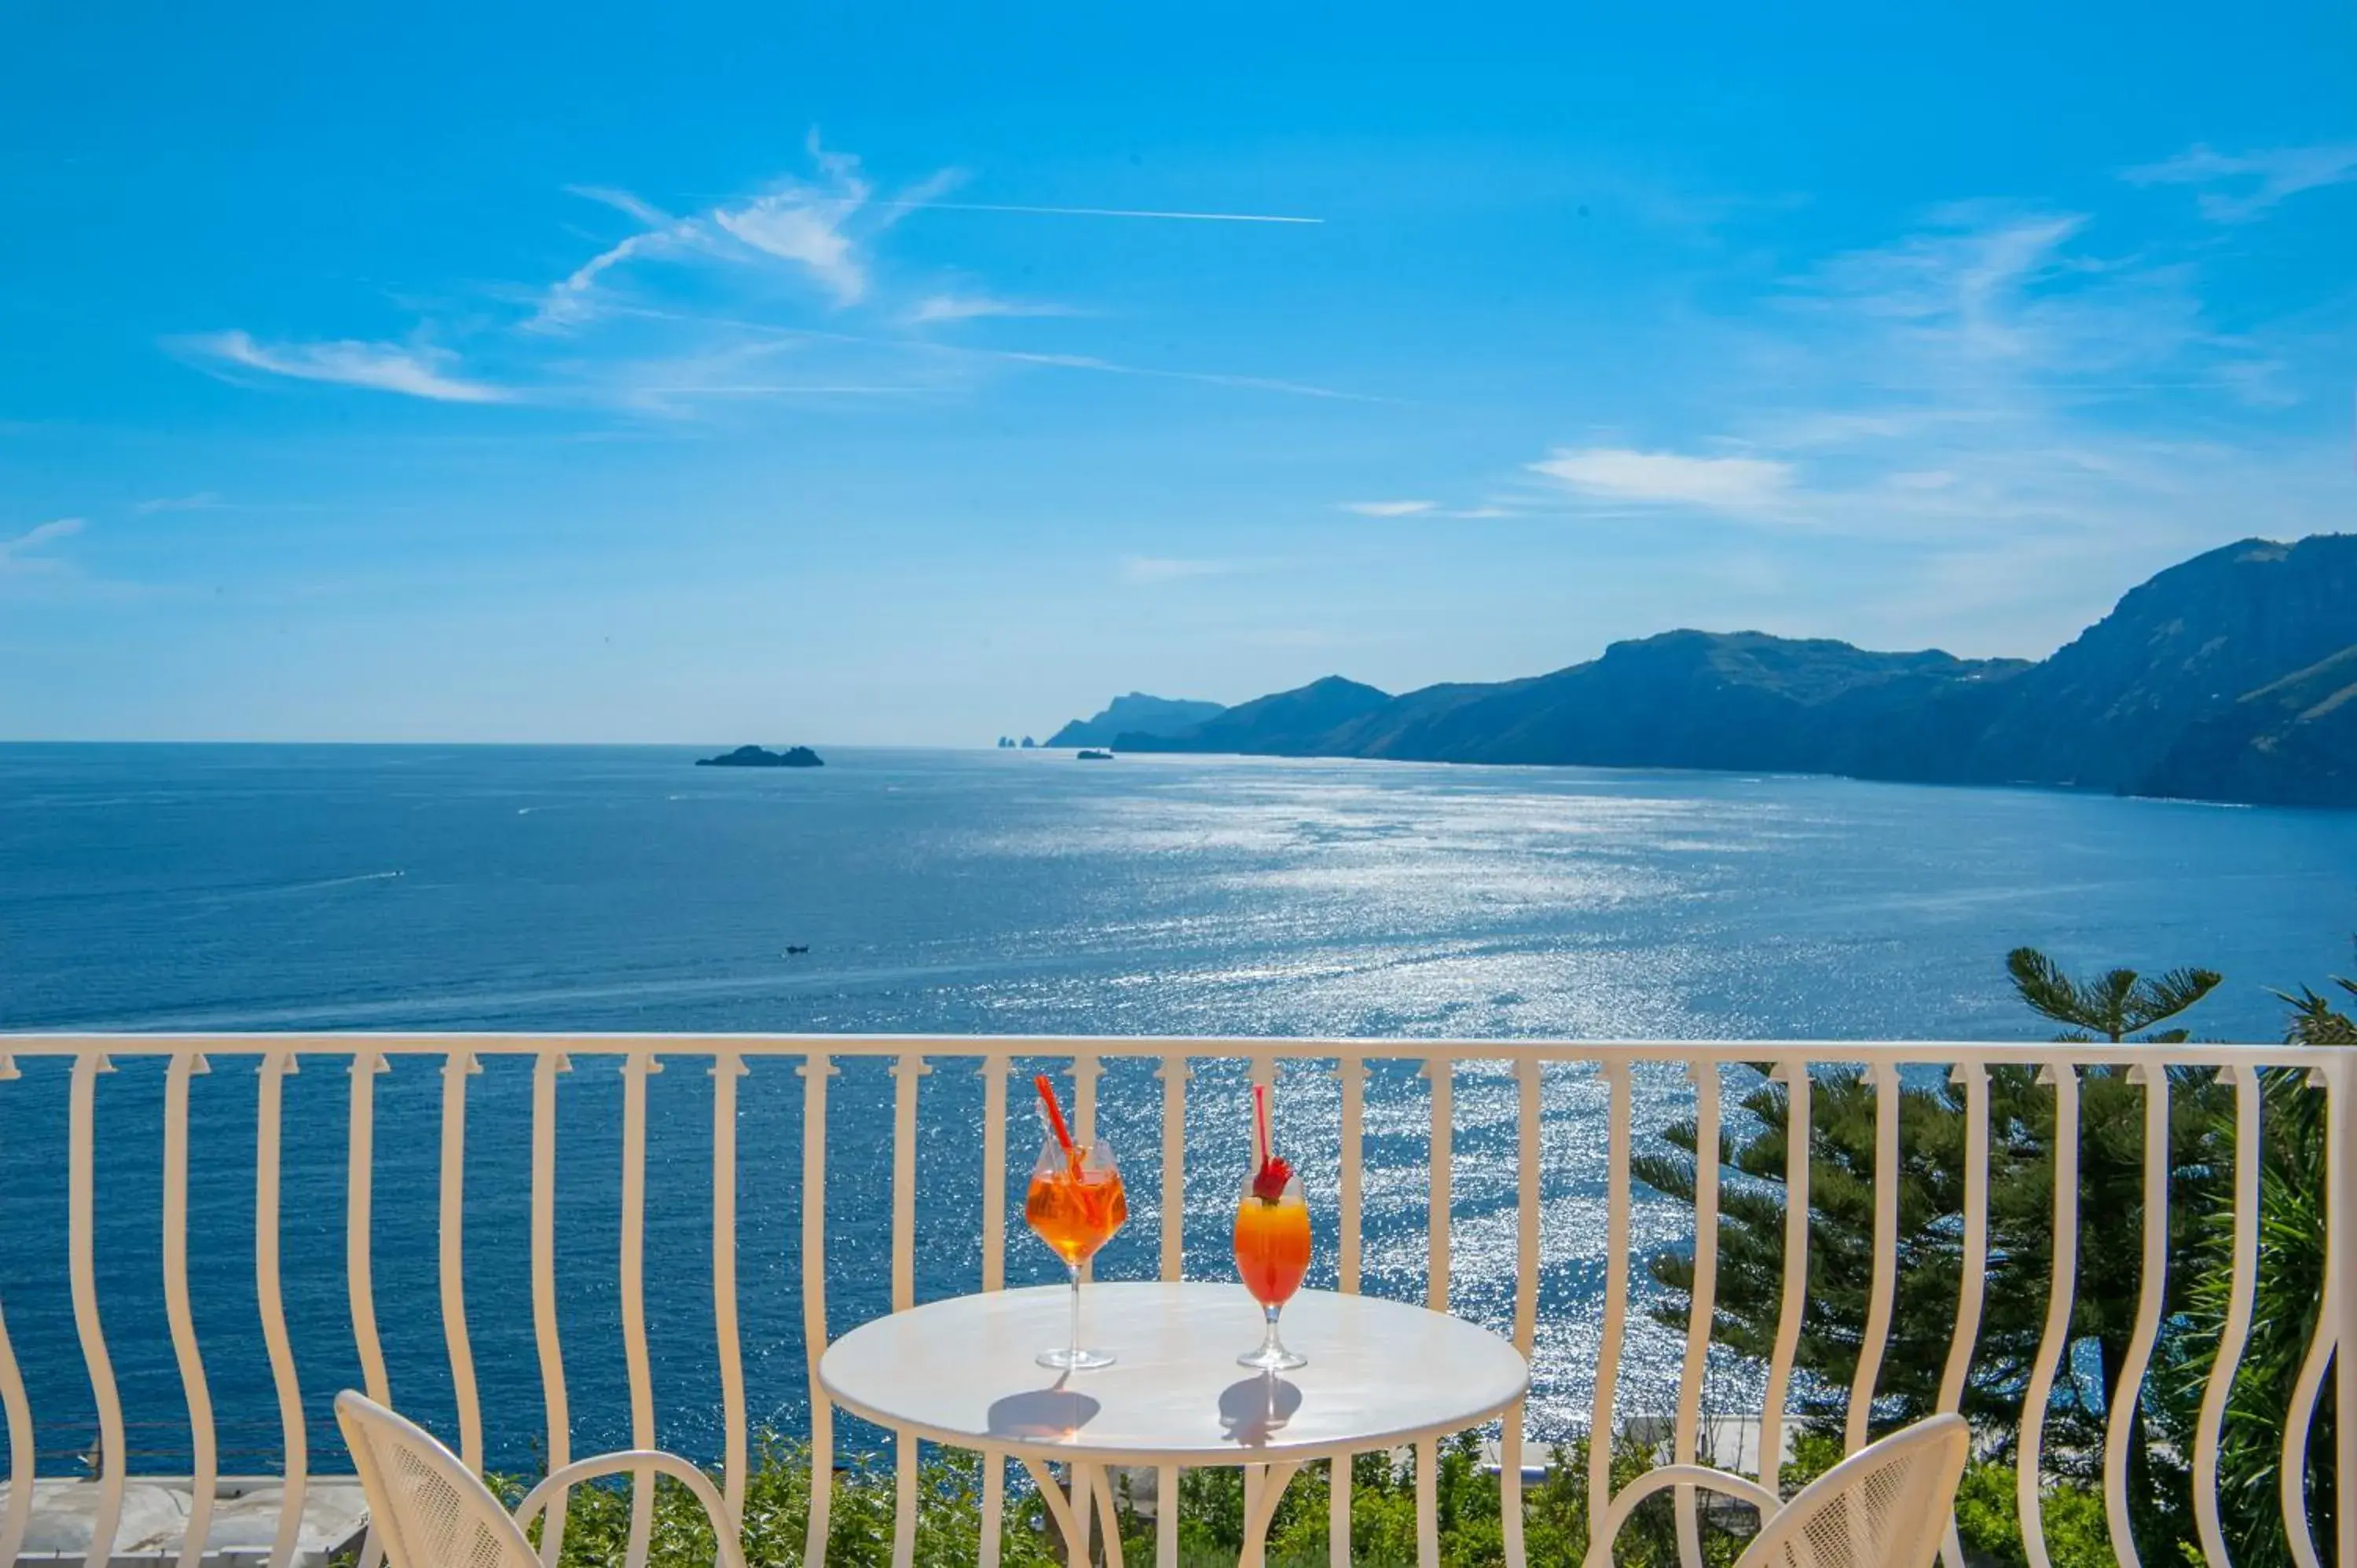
(1104, 212)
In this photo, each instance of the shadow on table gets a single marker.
(1251, 1409)
(1036, 1413)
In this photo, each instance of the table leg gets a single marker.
(1262, 1508)
(1060, 1509)
(1111, 1515)
(1428, 1504)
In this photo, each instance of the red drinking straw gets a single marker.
(1260, 1119)
(1056, 1118)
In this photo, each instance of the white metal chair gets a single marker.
(430, 1511)
(1886, 1506)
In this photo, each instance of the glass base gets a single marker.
(1272, 1359)
(1068, 1360)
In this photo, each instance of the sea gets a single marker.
(996, 892)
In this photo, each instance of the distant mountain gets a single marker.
(2184, 647)
(1137, 714)
(1307, 722)
(2231, 676)
(2291, 742)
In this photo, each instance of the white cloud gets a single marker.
(574, 298)
(805, 226)
(385, 366)
(1168, 569)
(969, 306)
(2240, 187)
(18, 555)
(914, 202)
(203, 501)
(1207, 378)
(1387, 508)
(819, 227)
(1671, 478)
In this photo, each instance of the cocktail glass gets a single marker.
(1272, 1240)
(1075, 1203)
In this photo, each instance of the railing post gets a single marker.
(2340, 1265)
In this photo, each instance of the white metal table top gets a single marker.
(1381, 1373)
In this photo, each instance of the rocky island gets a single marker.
(754, 756)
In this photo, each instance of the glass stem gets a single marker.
(1075, 1269)
(1270, 1345)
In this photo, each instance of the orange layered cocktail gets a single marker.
(1272, 1237)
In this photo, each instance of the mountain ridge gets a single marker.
(2232, 675)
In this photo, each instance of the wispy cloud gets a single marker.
(1988, 384)
(1147, 569)
(970, 307)
(1100, 212)
(1387, 508)
(666, 320)
(2239, 187)
(421, 372)
(1670, 478)
(22, 552)
(1206, 377)
(203, 501)
(819, 228)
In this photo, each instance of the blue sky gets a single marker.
(883, 374)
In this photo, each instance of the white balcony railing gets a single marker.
(1626, 1093)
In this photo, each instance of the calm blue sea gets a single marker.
(353, 887)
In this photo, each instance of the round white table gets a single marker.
(1381, 1374)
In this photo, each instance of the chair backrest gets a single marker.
(1886, 1506)
(429, 1509)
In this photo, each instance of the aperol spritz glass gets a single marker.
(1075, 1203)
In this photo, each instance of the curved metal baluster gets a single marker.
(1799, 1135)
(204, 1471)
(637, 1067)
(1442, 1073)
(543, 1290)
(275, 1067)
(1528, 1083)
(1702, 1303)
(457, 1068)
(1174, 1075)
(1616, 1300)
(2235, 1332)
(727, 1067)
(994, 1275)
(2341, 1262)
(1972, 1290)
(1886, 1257)
(81, 1120)
(2151, 1282)
(2054, 1340)
(19, 1516)
(1352, 1072)
(906, 1072)
(815, 1071)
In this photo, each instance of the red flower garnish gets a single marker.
(1269, 1178)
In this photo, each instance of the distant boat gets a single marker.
(792, 948)
(754, 756)
(1096, 756)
